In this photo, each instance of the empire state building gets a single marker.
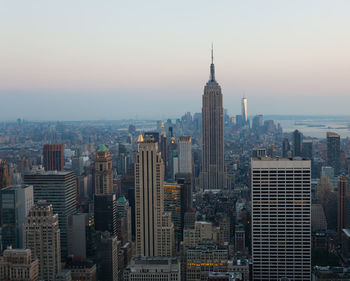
(213, 171)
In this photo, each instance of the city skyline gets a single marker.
(276, 52)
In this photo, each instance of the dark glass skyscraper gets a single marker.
(333, 151)
(53, 157)
(213, 173)
(296, 143)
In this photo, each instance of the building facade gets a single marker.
(281, 219)
(185, 155)
(53, 157)
(103, 171)
(42, 237)
(333, 151)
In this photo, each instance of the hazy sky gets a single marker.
(99, 59)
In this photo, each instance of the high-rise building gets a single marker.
(239, 238)
(185, 155)
(306, 150)
(58, 189)
(149, 202)
(296, 143)
(16, 201)
(281, 219)
(5, 177)
(108, 252)
(18, 264)
(343, 205)
(213, 170)
(42, 237)
(285, 148)
(244, 111)
(77, 234)
(53, 157)
(333, 151)
(103, 171)
(124, 214)
(105, 211)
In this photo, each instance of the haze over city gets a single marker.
(76, 60)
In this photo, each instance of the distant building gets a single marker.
(333, 151)
(153, 268)
(239, 238)
(124, 214)
(53, 157)
(343, 204)
(286, 148)
(103, 171)
(59, 189)
(16, 201)
(244, 105)
(5, 177)
(18, 264)
(77, 234)
(213, 170)
(185, 155)
(307, 151)
(296, 143)
(42, 236)
(281, 187)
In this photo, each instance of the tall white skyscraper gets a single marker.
(185, 154)
(154, 229)
(281, 219)
(244, 111)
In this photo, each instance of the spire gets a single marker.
(140, 138)
(212, 68)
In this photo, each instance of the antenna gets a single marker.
(212, 53)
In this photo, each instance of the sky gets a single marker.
(113, 59)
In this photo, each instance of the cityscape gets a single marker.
(177, 194)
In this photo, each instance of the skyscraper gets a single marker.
(213, 173)
(16, 201)
(42, 237)
(333, 151)
(281, 219)
(103, 171)
(5, 177)
(185, 155)
(296, 143)
(58, 189)
(105, 210)
(343, 205)
(244, 111)
(53, 157)
(150, 220)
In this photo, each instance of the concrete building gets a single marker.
(185, 155)
(103, 171)
(213, 170)
(18, 264)
(82, 271)
(5, 177)
(42, 237)
(64, 275)
(202, 232)
(240, 238)
(281, 242)
(124, 214)
(149, 202)
(53, 157)
(153, 269)
(16, 201)
(59, 189)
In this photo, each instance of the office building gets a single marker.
(64, 275)
(103, 171)
(82, 270)
(296, 143)
(225, 276)
(240, 238)
(343, 205)
(16, 201)
(53, 157)
(153, 268)
(77, 234)
(149, 202)
(306, 151)
(124, 213)
(42, 237)
(185, 155)
(281, 219)
(333, 151)
(286, 148)
(59, 189)
(212, 173)
(105, 210)
(18, 264)
(108, 256)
